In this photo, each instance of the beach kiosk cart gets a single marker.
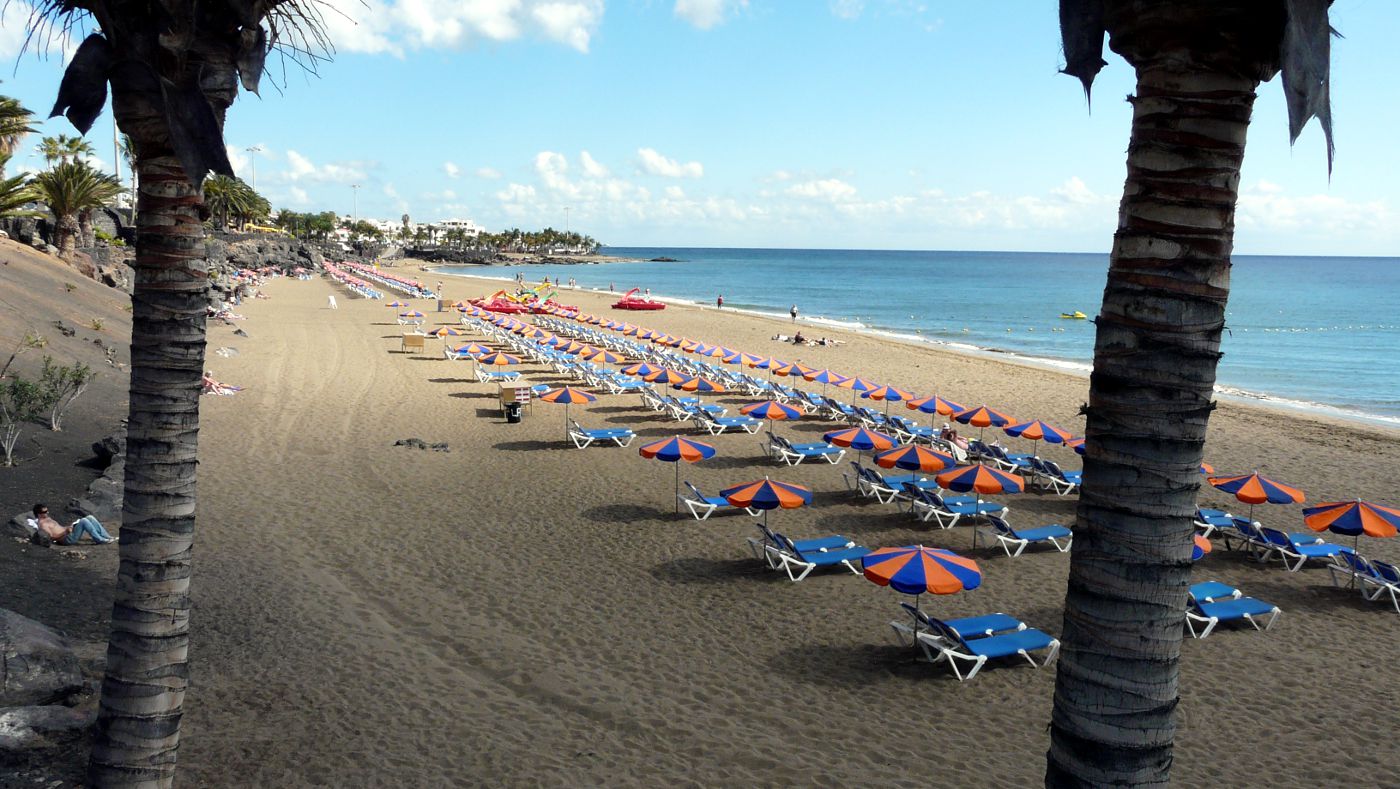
(514, 398)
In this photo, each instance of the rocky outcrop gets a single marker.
(103, 498)
(35, 727)
(37, 665)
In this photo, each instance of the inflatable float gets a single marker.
(500, 302)
(631, 301)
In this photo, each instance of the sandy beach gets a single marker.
(518, 612)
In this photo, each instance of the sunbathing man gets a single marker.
(69, 535)
(798, 339)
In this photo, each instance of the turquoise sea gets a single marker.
(1320, 333)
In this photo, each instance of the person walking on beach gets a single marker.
(793, 313)
(719, 302)
(332, 302)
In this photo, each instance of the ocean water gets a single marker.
(1318, 333)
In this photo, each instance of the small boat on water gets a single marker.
(631, 301)
(1074, 316)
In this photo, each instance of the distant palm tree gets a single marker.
(174, 69)
(15, 193)
(14, 124)
(1198, 64)
(227, 197)
(64, 149)
(128, 152)
(72, 190)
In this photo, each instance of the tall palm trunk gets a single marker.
(138, 726)
(1149, 400)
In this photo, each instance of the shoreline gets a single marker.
(1270, 403)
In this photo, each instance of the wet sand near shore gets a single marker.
(518, 612)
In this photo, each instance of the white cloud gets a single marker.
(591, 166)
(451, 169)
(706, 14)
(516, 193)
(847, 9)
(656, 164)
(1076, 191)
(299, 196)
(300, 168)
(488, 173)
(1266, 207)
(14, 22)
(832, 189)
(394, 26)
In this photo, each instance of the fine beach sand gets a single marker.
(514, 612)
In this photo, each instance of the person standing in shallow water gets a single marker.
(719, 302)
(793, 313)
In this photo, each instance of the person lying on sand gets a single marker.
(212, 386)
(798, 339)
(68, 535)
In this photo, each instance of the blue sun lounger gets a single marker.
(770, 541)
(702, 506)
(622, 436)
(996, 527)
(797, 563)
(927, 505)
(948, 643)
(793, 454)
(906, 632)
(1212, 602)
(1297, 549)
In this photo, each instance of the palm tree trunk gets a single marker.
(1149, 400)
(87, 238)
(143, 692)
(65, 235)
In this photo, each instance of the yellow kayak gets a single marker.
(1076, 315)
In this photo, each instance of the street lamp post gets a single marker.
(355, 202)
(253, 163)
(566, 224)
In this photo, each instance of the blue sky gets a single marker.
(852, 123)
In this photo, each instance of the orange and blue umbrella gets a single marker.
(698, 383)
(1256, 489)
(1253, 489)
(793, 368)
(767, 494)
(982, 416)
(770, 409)
(887, 393)
(917, 570)
(860, 439)
(1353, 518)
(914, 457)
(397, 303)
(1038, 431)
(935, 405)
(1200, 546)
(641, 369)
(674, 450)
(824, 377)
(411, 314)
(857, 385)
(498, 359)
(665, 376)
(568, 395)
(602, 356)
(980, 478)
(446, 331)
(472, 349)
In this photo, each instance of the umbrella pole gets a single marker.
(678, 487)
